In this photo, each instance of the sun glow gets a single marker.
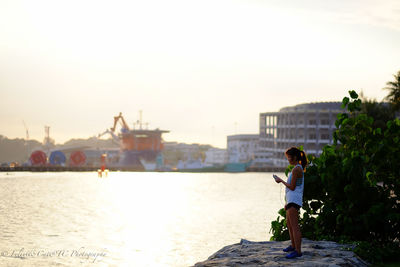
(213, 62)
(153, 198)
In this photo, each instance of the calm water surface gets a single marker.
(131, 219)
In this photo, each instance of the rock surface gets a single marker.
(315, 253)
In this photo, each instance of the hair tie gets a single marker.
(301, 154)
(300, 161)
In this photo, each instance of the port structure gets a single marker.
(138, 139)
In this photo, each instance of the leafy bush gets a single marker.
(278, 227)
(352, 189)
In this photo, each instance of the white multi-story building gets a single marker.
(241, 147)
(186, 149)
(215, 156)
(310, 125)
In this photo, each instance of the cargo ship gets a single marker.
(141, 149)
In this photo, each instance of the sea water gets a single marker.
(131, 218)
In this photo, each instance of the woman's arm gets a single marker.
(296, 173)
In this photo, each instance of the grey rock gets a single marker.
(315, 254)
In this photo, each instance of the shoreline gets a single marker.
(113, 169)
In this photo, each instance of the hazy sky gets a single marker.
(194, 67)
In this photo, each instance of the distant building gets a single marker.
(262, 159)
(311, 125)
(186, 149)
(216, 156)
(241, 147)
(186, 154)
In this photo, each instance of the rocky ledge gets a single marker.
(315, 253)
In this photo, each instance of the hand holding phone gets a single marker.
(276, 178)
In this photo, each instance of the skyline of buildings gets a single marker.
(308, 124)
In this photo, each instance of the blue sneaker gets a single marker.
(288, 249)
(293, 255)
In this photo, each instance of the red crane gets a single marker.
(124, 124)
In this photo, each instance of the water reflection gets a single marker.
(139, 219)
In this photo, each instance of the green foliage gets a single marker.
(394, 91)
(278, 227)
(352, 189)
(378, 253)
(380, 112)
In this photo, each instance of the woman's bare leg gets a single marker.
(289, 226)
(294, 222)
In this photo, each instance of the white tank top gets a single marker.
(295, 196)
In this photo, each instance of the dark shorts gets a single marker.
(291, 204)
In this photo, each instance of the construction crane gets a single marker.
(115, 138)
(27, 138)
(125, 126)
(26, 131)
(47, 141)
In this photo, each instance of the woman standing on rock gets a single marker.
(294, 198)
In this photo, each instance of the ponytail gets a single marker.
(299, 154)
(303, 160)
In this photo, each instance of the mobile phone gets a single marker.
(275, 177)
